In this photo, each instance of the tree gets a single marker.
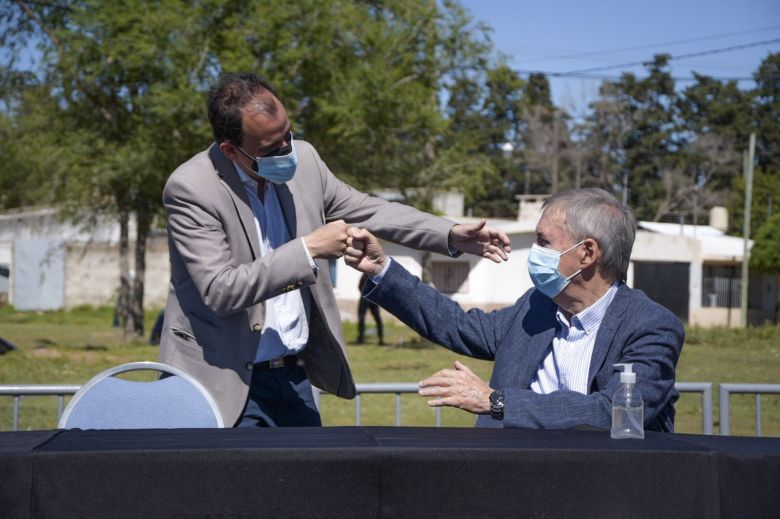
(125, 84)
(765, 254)
(767, 113)
(361, 80)
(491, 117)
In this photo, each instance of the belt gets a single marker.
(281, 362)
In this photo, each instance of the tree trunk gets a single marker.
(123, 301)
(578, 178)
(556, 148)
(136, 315)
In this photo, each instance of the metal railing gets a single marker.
(17, 392)
(752, 389)
(705, 388)
(382, 388)
(398, 389)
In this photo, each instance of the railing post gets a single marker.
(437, 414)
(706, 410)
(758, 414)
(357, 409)
(725, 430)
(17, 399)
(398, 409)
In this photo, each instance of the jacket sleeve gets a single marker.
(398, 223)
(437, 317)
(653, 350)
(225, 285)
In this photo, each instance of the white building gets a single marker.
(46, 264)
(692, 270)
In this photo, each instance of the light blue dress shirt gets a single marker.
(286, 326)
(567, 364)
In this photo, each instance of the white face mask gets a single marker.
(543, 269)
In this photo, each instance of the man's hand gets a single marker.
(480, 240)
(329, 241)
(458, 387)
(364, 252)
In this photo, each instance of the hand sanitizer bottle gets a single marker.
(627, 407)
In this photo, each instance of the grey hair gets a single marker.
(596, 214)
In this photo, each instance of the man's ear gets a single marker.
(229, 150)
(590, 253)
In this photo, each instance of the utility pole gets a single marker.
(748, 171)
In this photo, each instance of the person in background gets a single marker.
(364, 305)
(554, 350)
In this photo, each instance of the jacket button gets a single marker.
(249, 366)
(257, 327)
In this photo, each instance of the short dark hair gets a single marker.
(232, 92)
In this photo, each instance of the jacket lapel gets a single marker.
(606, 333)
(227, 172)
(287, 203)
(540, 326)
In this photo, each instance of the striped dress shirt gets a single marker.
(567, 364)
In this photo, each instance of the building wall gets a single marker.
(92, 274)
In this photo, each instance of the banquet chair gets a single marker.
(174, 401)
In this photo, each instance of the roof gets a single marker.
(715, 244)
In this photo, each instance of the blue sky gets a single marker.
(543, 36)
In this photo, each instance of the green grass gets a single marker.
(70, 347)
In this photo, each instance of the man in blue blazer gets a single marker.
(555, 349)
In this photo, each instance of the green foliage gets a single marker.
(765, 254)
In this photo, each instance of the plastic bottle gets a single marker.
(628, 413)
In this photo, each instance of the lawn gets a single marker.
(70, 347)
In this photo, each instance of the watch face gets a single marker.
(497, 403)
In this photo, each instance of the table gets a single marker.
(385, 472)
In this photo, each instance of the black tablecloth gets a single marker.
(385, 472)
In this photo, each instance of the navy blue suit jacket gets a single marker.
(634, 329)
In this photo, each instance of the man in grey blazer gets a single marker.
(252, 223)
(554, 350)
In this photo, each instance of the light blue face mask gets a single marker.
(543, 269)
(276, 168)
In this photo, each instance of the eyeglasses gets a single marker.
(281, 150)
(273, 152)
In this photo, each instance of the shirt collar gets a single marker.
(243, 176)
(590, 319)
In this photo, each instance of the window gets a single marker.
(450, 277)
(721, 286)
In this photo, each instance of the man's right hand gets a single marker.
(329, 241)
(364, 252)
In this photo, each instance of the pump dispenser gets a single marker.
(627, 406)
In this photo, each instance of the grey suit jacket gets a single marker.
(215, 312)
(634, 329)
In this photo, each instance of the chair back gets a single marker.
(107, 402)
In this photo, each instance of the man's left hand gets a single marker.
(458, 387)
(480, 240)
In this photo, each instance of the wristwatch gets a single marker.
(497, 404)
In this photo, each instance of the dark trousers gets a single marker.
(364, 305)
(280, 397)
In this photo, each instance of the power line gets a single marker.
(653, 45)
(680, 56)
(613, 77)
